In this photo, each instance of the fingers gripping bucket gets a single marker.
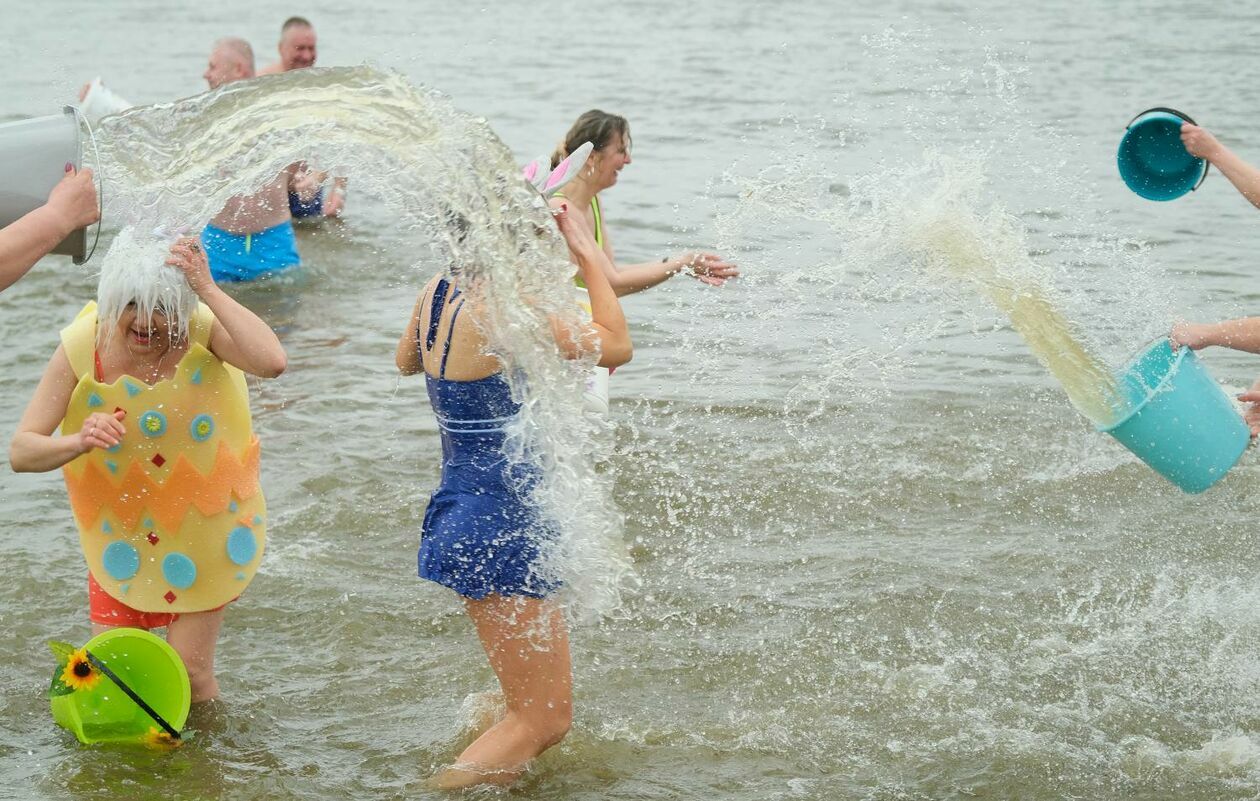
(1180, 422)
(151, 671)
(1152, 160)
(33, 157)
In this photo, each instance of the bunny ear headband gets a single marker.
(549, 182)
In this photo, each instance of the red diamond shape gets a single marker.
(170, 597)
(152, 538)
(158, 459)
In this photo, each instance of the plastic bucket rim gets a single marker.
(1179, 355)
(1202, 164)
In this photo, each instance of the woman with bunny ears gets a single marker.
(483, 536)
(610, 136)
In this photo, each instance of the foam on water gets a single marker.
(455, 187)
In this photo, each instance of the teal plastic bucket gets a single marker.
(1179, 421)
(1152, 160)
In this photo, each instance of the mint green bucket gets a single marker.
(1179, 420)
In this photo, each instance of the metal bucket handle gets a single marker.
(1183, 116)
(100, 180)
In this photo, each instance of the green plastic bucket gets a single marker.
(149, 668)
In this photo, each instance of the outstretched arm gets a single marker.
(1241, 334)
(1199, 142)
(71, 205)
(238, 337)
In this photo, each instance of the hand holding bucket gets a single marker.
(1152, 159)
(34, 155)
(1178, 419)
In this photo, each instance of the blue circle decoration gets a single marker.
(120, 560)
(242, 546)
(152, 424)
(180, 571)
(201, 428)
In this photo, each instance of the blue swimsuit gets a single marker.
(481, 534)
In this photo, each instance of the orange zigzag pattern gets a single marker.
(167, 501)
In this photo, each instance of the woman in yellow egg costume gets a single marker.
(159, 456)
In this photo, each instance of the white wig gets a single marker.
(135, 271)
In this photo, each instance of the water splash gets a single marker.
(453, 185)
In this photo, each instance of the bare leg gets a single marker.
(527, 643)
(194, 637)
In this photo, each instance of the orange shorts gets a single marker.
(107, 610)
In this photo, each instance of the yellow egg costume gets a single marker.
(172, 519)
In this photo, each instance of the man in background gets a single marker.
(297, 51)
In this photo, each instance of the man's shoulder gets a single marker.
(272, 69)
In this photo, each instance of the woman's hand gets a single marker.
(708, 268)
(188, 257)
(1252, 413)
(577, 234)
(1194, 336)
(1199, 142)
(101, 430)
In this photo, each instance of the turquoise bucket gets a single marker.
(1179, 420)
(1152, 160)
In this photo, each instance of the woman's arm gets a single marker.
(34, 448)
(71, 205)
(626, 279)
(238, 336)
(1241, 334)
(608, 332)
(407, 354)
(1200, 143)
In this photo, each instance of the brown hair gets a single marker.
(596, 127)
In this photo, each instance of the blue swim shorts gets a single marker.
(301, 209)
(244, 257)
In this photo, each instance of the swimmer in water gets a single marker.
(482, 537)
(71, 205)
(253, 235)
(160, 461)
(610, 134)
(1241, 334)
(297, 50)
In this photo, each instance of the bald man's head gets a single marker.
(231, 60)
(297, 44)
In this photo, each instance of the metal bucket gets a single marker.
(33, 156)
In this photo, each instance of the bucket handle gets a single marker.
(100, 180)
(1183, 116)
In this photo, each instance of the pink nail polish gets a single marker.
(69, 166)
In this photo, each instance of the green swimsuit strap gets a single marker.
(599, 221)
(599, 229)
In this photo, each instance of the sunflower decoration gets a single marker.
(74, 670)
(160, 740)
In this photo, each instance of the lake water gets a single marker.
(879, 554)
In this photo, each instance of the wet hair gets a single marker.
(239, 48)
(135, 271)
(596, 127)
(294, 22)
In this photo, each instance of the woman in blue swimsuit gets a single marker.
(482, 537)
